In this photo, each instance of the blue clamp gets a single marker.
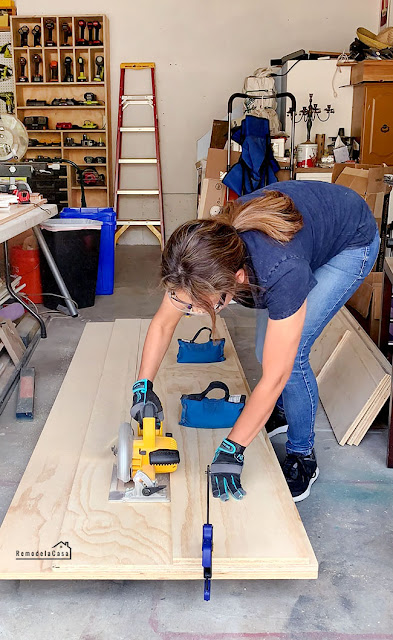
(207, 552)
(207, 546)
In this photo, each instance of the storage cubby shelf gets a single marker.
(48, 90)
(70, 108)
(62, 84)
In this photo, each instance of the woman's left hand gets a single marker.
(225, 471)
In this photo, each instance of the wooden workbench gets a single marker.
(63, 495)
(21, 217)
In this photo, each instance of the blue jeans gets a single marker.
(337, 280)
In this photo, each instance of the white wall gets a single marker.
(317, 77)
(203, 49)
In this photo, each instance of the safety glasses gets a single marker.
(190, 309)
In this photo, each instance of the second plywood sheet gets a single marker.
(347, 383)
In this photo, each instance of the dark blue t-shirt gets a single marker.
(334, 218)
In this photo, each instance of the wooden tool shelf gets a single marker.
(48, 89)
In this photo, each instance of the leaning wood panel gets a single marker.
(323, 354)
(37, 509)
(347, 384)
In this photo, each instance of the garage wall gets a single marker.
(203, 49)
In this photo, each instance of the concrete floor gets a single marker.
(348, 518)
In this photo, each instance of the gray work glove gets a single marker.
(143, 394)
(225, 471)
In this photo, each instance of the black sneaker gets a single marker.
(277, 423)
(300, 473)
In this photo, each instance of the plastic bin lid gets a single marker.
(71, 224)
(104, 213)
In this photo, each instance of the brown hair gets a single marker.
(274, 214)
(202, 257)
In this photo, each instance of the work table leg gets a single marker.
(55, 272)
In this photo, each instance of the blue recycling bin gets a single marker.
(106, 262)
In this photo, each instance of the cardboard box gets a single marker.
(368, 181)
(362, 178)
(212, 194)
(375, 202)
(217, 162)
(219, 136)
(366, 304)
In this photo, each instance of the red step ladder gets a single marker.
(125, 102)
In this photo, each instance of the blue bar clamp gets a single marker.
(207, 546)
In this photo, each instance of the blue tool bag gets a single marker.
(210, 413)
(193, 352)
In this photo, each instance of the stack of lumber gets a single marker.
(353, 377)
(63, 495)
(16, 285)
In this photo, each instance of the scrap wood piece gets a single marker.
(27, 327)
(25, 398)
(37, 509)
(350, 380)
(11, 340)
(372, 412)
(16, 210)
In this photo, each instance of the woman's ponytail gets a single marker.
(202, 257)
(274, 214)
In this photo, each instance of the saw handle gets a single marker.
(164, 457)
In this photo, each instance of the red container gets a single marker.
(26, 263)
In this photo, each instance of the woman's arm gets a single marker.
(158, 338)
(280, 348)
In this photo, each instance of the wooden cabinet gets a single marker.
(372, 121)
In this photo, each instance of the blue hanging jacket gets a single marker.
(257, 166)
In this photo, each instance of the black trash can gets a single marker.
(75, 247)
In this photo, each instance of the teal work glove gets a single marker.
(225, 471)
(143, 394)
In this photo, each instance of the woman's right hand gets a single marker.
(143, 394)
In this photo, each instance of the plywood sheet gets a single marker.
(163, 541)
(101, 532)
(239, 533)
(37, 510)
